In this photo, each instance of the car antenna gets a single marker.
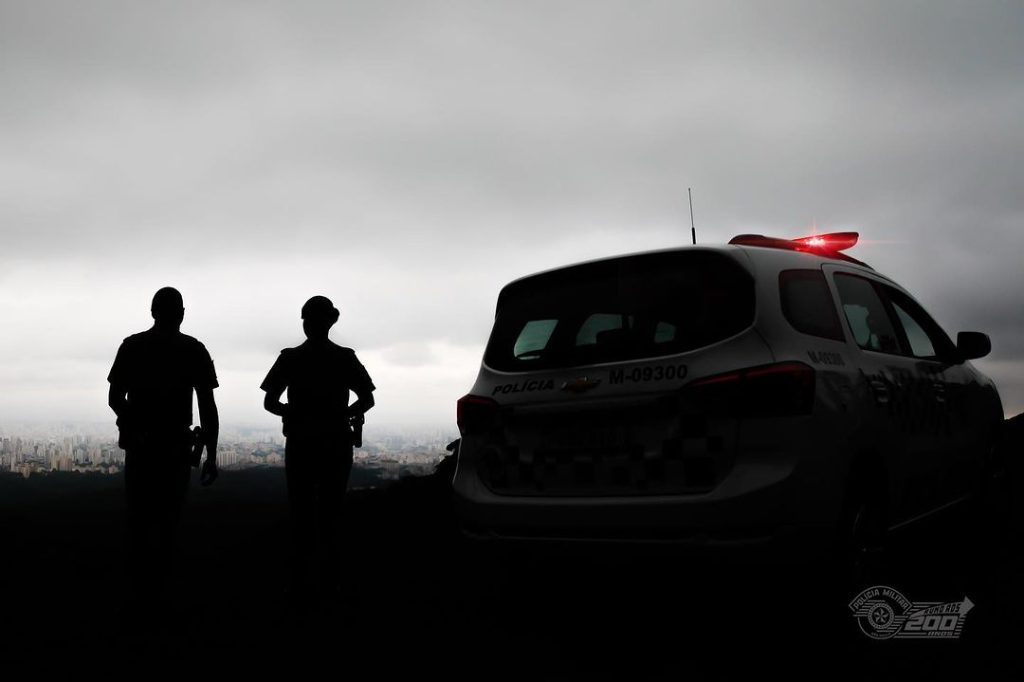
(693, 229)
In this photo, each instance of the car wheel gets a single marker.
(991, 509)
(860, 549)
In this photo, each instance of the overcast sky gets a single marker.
(407, 159)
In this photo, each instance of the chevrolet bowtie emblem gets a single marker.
(580, 385)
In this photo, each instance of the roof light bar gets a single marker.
(831, 243)
(834, 241)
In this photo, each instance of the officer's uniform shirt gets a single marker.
(159, 370)
(318, 378)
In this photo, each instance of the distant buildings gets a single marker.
(35, 449)
(45, 453)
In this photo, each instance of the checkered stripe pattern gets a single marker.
(690, 461)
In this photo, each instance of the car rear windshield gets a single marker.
(622, 309)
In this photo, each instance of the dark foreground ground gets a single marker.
(421, 603)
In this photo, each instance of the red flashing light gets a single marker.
(831, 243)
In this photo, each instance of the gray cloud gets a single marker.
(408, 158)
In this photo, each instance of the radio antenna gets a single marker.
(693, 229)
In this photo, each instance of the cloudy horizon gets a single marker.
(408, 159)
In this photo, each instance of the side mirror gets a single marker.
(971, 345)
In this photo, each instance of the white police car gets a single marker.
(764, 390)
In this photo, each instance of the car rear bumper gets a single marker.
(774, 501)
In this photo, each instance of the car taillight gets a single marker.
(475, 414)
(782, 389)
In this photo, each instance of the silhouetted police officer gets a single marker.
(318, 376)
(151, 385)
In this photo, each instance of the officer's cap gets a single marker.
(320, 308)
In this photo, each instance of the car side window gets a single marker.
(807, 303)
(917, 338)
(923, 335)
(865, 312)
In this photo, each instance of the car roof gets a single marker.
(775, 259)
(770, 258)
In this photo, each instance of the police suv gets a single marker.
(764, 391)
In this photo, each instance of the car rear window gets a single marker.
(621, 309)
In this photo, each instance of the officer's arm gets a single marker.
(272, 403)
(209, 419)
(363, 403)
(116, 400)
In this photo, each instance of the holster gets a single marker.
(356, 423)
(198, 443)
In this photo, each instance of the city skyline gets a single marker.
(42, 449)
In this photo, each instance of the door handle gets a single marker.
(881, 391)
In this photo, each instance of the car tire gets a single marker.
(990, 510)
(859, 553)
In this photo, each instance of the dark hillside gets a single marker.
(422, 601)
